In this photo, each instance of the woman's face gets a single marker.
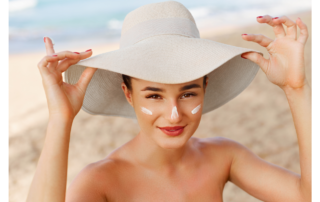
(159, 105)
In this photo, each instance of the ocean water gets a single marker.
(91, 22)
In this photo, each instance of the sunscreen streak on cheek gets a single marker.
(195, 110)
(146, 111)
(174, 113)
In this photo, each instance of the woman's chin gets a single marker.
(172, 142)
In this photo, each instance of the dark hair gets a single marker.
(127, 81)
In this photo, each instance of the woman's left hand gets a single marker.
(285, 67)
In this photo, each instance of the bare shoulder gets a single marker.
(218, 153)
(220, 149)
(100, 169)
(218, 144)
(231, 147)
(94, 181)
(106, 170)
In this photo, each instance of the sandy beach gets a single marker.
(258, 118)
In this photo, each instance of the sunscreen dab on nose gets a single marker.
(195, 110)
(146, 111)
(174, 113)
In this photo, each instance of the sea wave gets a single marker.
(213, 17)
(27, 28)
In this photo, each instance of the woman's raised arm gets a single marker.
(64, 102)
(286, 69)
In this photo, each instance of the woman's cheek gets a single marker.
(196, 109)
(192, 107)
(146, 111)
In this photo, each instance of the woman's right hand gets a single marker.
(64, 100)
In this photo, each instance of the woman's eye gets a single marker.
(188, 95)
(154, 96)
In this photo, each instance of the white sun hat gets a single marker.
(160, 42)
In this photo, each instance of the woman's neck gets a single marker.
(149, 154)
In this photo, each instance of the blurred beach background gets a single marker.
(258, 118)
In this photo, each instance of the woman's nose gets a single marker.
(174, 115)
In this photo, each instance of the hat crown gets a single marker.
(166, 9)
(164, 18)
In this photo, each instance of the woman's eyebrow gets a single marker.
(153, 89)
(187, 87)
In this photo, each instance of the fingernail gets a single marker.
(44, 39)
(77, 52)
(88, 50)
(54, 55)
(244, 34)
(275, 18)
(260, 17)
(243, 57)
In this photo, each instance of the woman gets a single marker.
(164, 162)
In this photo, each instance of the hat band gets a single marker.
(146, 29)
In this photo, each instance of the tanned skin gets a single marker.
(156, 167)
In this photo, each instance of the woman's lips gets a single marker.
(172, 131)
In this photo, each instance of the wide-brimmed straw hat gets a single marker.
(160, 42)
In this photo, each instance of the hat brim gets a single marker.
(164, 59)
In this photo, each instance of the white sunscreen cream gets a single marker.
(174, 113)
(195, 110)
(145, 110)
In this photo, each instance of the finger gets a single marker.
(85, 78)
(258, 59)
(49, 45)
(42, 65)
(277, 28)
(291, 26)
(68, 54)
(61, 56)
(304, 34)
(66, 63)
(258, 38)
(48, 42)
